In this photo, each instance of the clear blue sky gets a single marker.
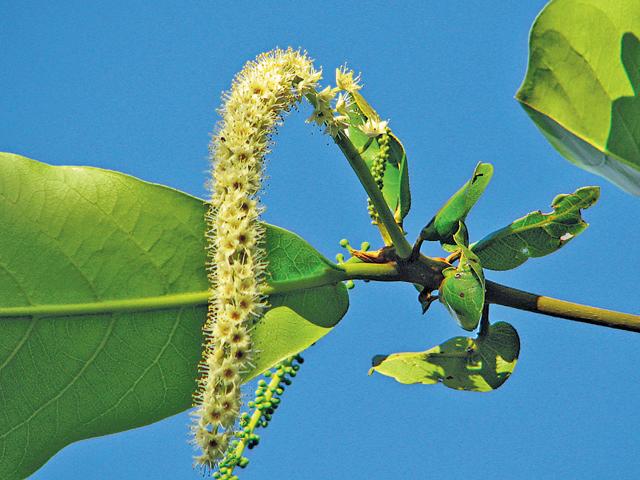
(133, 86)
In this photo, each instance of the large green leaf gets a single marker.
(102, 297)
(396, 174)
(445, 223)
(536, 234)
(462, 363)
(582, 85)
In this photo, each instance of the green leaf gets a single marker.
(301, 317)
(461, 363)
(396, 175)
(462, 290)
(445, 223)
(536, 234)
(102, 297)
(624, 137)
(581, 90)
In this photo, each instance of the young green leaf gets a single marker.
(445, 223)
(461, 363)
(463, 294)
(396, 171)
(103, 294)
(536, 234)
(462, 290)
(582, 90)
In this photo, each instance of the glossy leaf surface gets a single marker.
(582, 84)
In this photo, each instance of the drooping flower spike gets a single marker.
(261, 93)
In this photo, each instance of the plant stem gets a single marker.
(268, 398)
(402, 246)
(384, 272)
(256, 416)
(511, 297)
(424, 271)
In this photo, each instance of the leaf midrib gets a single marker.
(163, 302)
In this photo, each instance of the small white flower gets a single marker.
(319, 116)
(346, 81)
(325, 96)
(341, 121)
(374, 128)
(342, 104)
(309, 83)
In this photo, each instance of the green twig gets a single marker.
(511, 297)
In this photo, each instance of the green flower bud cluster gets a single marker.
(266, 402)
(344, 243)
(377, 170)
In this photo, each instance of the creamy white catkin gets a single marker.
(261, 93)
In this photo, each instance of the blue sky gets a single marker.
(133, 86)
